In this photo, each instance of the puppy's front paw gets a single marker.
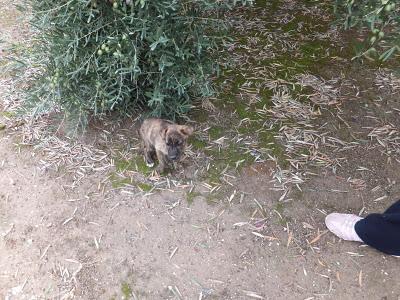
(150, 164)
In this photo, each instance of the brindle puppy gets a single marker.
(163, 139)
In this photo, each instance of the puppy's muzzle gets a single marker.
(173, 157)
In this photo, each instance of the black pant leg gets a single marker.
(394, 208)
(381, 231)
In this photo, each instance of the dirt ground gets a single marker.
(90, 240)
(84, 244)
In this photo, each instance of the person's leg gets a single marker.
(380, 231)
(394, 209)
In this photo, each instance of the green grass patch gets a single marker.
(215, 132)
(136, 163)
(122, 165)
(144, 186)
(118, 181)
(213, 175)
(267, 140)
(190, 196)
(232, 157)
(196, 143)
(212, 199)
(126, 290)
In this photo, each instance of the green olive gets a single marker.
(381, 34)
(388, 7)
(103, 47)
(115, 5)
(373, 39)
(100, 52)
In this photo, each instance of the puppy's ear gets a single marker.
(164, 133)
(186, 130)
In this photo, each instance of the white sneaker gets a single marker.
(342, 225)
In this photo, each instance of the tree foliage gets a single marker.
(381, 18)
(97, 56)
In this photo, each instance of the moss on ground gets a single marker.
(197, 143)
(118, 181)
(126, 290)
(190, 196)
(122, 165)
(144, 186)
(309, 55)
(215, 132)
(213, 199)
(213, 175)
(136, 163)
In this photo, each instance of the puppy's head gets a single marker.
(175, 137)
